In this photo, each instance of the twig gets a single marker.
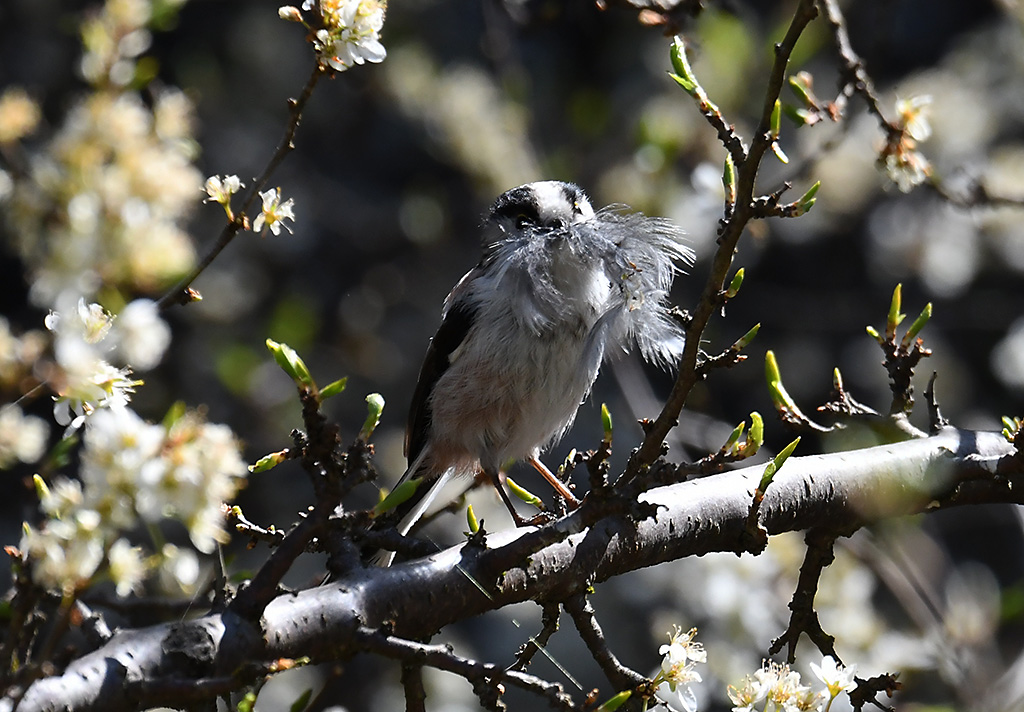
(729, 235)
(804, 618)
(854, 78)
(525, 654)
(443, 658)
(412, 684)
(583, 616)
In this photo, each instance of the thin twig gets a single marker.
(583, 616)
(443, 658)
(729, 235)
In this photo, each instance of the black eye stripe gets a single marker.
(519, 203)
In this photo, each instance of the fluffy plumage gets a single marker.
(525, 331)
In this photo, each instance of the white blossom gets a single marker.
(22, 437)
(912, 116)
(220, 190)
(351, 32)
(127, 567)
(87, 382)
(274, 212)
(141, 335)
(837, 678)
(678, 673)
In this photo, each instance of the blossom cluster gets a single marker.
(678, 672)
(85, 338)
(105, 198)
(350, 31)
(903, 163)
(772, 688)
(116, 36)
(134, 472)
(778, 688)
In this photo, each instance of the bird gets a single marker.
(523, 334)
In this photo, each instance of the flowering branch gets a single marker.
(181, 294)
(337, 620)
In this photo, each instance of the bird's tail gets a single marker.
(416, 506)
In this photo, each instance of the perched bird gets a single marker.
(524, 333)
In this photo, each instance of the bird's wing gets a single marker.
(458, 320)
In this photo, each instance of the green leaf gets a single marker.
(333, 389)
(269, 462)
(397, 496)
(773, 467)
(755, 436)
(606, 422)
(894, 317)
(374, 407)
(42, 490)
(248, 702)
(683, 74)
(917, 325)
(471, 520)
(173, 414)
(523, 494)
(734, 437)
(771, 367)
(615, 702)
(806, 201)
(729, 179)
(744, 341)
(291, 363)
(735, 284)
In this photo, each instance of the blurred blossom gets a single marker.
(109, 197)
(941, 246)
(66, 553)
(179, 569)
(351, 32)
(22, 437)
(905, 166)
(127, 567)
(106, 198)
(18, 354)
(912, 116)
(19, 115)
(1007, 360)
(134, 472)
(140, 335)
(114, 36)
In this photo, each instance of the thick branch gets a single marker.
(420, 597)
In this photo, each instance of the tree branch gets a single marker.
(418, 598)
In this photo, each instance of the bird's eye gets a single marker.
(522, 220)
